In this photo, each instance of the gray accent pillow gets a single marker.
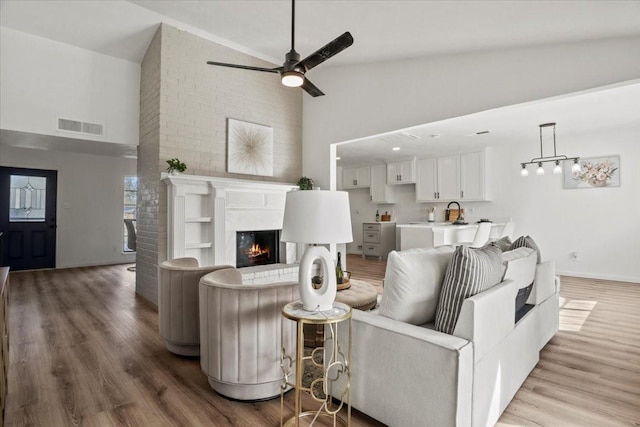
(504, 243)
(470, 272)
(527, 242)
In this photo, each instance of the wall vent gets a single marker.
(87, 128)
(398, 137)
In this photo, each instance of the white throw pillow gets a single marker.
(520, 266)
(412, 284)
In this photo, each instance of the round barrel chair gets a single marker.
(242, 333)
(178, 318)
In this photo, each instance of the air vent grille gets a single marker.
(70, 125)
(398, 137)
(81, 127)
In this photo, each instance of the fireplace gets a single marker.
(257, 247)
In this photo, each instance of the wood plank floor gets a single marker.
(85, 351)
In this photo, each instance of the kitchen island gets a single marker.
(434, 234)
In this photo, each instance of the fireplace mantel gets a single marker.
(204, 213)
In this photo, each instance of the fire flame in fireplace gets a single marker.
(256, 250)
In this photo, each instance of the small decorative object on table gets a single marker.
(176, 166)
(346, 282)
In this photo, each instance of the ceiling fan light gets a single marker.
(557, 170)
(540, 170)
(292, 79)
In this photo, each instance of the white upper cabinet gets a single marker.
(356, 177)
(456, 177)
(401, 172)
(448, 178)
(379, 190)
(474, 176)
(427, 179)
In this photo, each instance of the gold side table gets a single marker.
(335, 368)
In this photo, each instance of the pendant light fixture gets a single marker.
(555, 158)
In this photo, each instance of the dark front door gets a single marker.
(28, 218)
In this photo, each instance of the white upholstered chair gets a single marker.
(178, 319)
(240, 334)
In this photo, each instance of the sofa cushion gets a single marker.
(527, 242)
(504, 243)
(470, 271)
(412, 284)
(519, 265)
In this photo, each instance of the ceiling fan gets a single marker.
(292, 72)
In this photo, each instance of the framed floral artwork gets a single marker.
(249, 148)
(595, 172)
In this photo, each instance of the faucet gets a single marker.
(460, 214)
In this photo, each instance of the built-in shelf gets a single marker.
(198, 245)
(199, 219)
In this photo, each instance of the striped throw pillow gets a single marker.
(470, 271)
(527, 242)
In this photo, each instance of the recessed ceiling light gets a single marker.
(396, 148)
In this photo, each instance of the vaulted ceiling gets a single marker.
(383, 31)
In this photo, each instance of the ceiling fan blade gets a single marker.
(311, 88)
(327, 51)
(246, 67)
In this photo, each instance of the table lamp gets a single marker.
(317, 217)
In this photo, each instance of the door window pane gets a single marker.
(27, 198)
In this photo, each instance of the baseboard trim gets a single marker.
(613, 278)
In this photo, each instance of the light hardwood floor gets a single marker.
(85, 351)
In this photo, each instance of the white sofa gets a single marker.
(412, 375)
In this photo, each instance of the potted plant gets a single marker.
(305, 183)
(176, 166)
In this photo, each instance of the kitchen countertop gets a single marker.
(441, 224)
(434, 234)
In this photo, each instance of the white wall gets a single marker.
(369, 99)
(42, 80)
(89, 204)
(601, 224)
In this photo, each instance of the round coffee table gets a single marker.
(360, 295)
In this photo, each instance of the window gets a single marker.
(27, 198)
(130, 209)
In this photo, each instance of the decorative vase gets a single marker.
(174, 172)
(598, 183)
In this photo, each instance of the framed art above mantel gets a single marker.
(249, 148)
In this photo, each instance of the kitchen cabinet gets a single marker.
(456, 177)
(380, 192)
(401, 172)
(356, 177)
(378, 238)
(438, 179)
(474, 176)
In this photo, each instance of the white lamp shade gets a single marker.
(317, 217)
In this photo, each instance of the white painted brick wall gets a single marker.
(184, 107)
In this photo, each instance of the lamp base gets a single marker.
(317, 299)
